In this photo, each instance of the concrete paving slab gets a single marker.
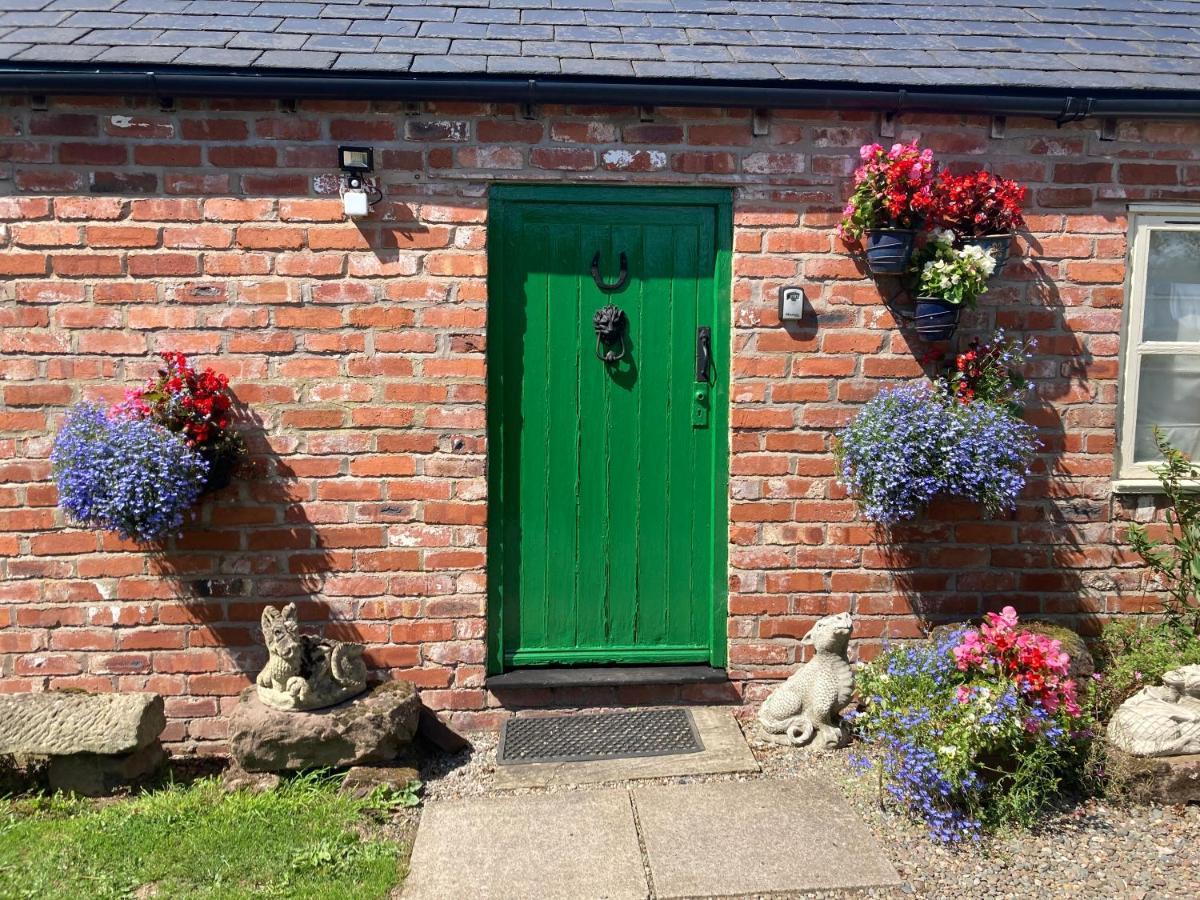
(725, 750)
(735, 838)
(553, 847)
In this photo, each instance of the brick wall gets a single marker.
(358, 349)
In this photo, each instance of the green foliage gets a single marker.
(1134, 653)
(1176, 561)
(387, 799)
(304, 839)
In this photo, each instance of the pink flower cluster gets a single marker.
(1035, 663)
(892, 188)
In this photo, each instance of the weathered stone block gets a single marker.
(362, 780)
(62, 723)
(373, 728)
(97, 774)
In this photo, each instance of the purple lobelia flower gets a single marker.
(909, 444)
(129, 476)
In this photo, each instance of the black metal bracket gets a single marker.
(622, 276)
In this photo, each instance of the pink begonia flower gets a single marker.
(963, 694)
(970, 652)
(869, 151)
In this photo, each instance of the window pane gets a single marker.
(1173, 286)
(1169, 397)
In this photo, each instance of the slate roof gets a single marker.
(1056, 44)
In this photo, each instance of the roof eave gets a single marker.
(167, 81)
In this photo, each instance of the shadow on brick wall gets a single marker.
(251, 545)
(1048, 557)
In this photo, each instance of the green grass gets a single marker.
(302, 840)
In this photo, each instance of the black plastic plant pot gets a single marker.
(220, 471)
(889, 250)
(934, 319)
(998, 245)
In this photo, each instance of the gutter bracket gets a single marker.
(1073, 110)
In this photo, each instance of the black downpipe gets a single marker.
(253, 83)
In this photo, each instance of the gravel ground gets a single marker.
(1090, 849)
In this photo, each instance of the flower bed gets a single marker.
(976, 730)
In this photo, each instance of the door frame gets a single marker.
(502, 199)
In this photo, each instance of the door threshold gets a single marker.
(606, 676)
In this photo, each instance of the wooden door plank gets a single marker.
(566, 341)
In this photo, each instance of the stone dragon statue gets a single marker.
(803, 711)
(304, 671)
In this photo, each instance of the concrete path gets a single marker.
(714, 839)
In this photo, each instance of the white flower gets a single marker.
(947, 750)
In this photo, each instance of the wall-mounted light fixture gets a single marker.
(355, 162)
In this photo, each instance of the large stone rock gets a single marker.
(373, 728)
(63, 723)
(1164, 779)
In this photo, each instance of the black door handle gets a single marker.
(703, 353)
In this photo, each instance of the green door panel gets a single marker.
(607, 493)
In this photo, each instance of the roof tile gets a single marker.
(1075, 44)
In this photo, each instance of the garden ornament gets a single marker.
(304, 671)
(803, 711)
(1161, 721)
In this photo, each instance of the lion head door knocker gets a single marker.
(610, 323)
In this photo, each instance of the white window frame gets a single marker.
(1131, 477)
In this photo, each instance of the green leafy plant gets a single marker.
(1175, 560)
(1135, 653)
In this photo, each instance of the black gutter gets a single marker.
(178, 82)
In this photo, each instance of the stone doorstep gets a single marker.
(725, 750)
(709, 839)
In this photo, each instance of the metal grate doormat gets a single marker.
(618, 735)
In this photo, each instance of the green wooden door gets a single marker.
(607, 481)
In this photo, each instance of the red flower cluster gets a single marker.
(977, 204)
(1036, 664)
(968, 367)
(196, 404)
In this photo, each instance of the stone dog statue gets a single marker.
(1161, 721)
(803, 711)
(304, 671)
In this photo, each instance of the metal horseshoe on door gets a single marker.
(622, 276)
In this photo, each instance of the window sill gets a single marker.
(1146, 486)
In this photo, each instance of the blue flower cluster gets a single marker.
(911, 443)
(129, 476)
(914, 779)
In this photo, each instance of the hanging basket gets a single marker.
(889, 250)
(998, 245)
(934, 319)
